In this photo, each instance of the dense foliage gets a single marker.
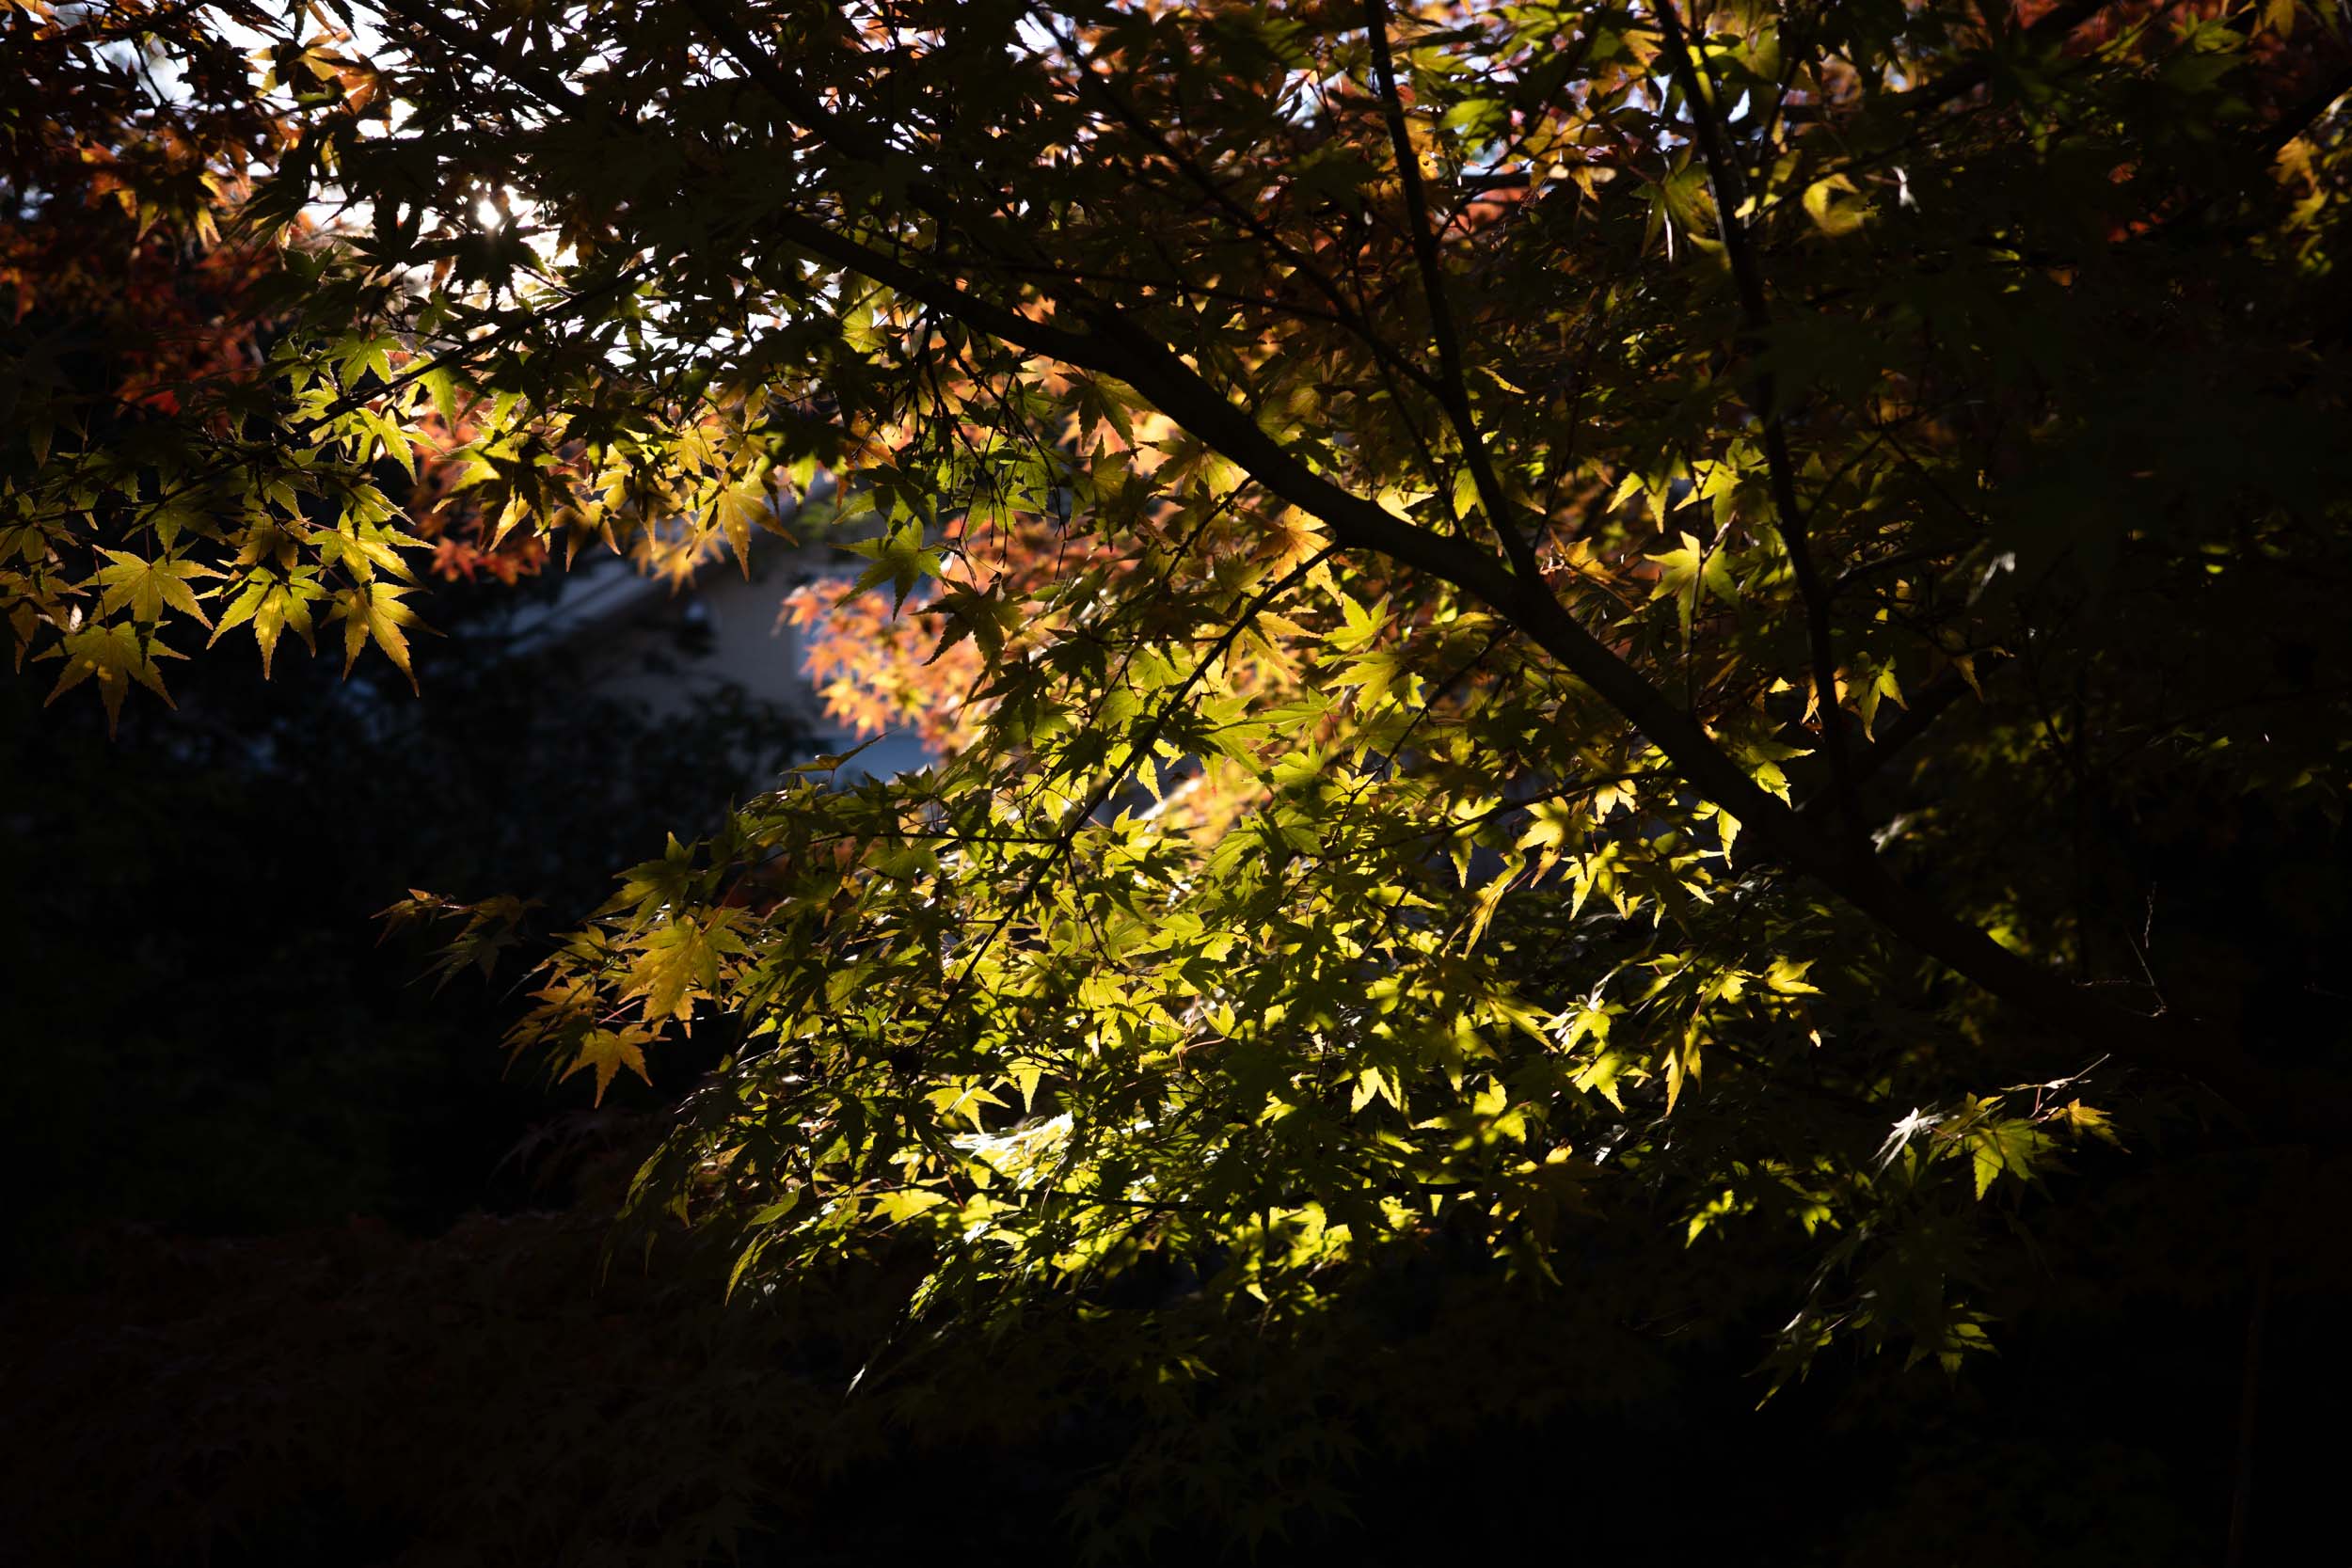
(1547, 625)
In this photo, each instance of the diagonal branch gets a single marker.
(1358, 524)
(1110, 343)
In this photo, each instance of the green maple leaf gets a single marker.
(147, 586)
(2005, 1146)
(366, 547)
(1686, 573)
(115, 655)
(272, 606)
(899, 558)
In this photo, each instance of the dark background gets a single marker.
(212, 1035)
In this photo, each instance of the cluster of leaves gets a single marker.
(1517, 562)
(243, 468)
(125, 306)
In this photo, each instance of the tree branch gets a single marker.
(1112, 344)
(1964, 79)
(1345, 310)
(1730, 188)
(1452, 391)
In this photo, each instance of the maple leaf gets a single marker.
(899, 558)
(1685, 573)
(115, 655)
(740, 509)
(606, 1052)
(372, 609)
(273, 604)
(680, 960)
(367, 547)
(2086, 1120)
(147, 586)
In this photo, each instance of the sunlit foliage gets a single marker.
(1543, 612)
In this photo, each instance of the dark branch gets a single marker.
(1730, 188)
(1452, 391)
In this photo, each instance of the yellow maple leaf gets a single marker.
(608, 1051)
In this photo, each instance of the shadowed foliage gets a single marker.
(1680, 667)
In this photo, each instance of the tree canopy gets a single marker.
(1536, 618)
